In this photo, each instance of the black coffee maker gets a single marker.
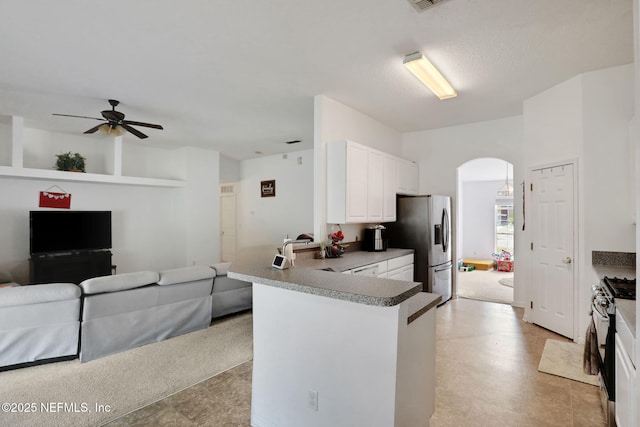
(375, 239)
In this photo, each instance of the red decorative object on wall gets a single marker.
(49, 199)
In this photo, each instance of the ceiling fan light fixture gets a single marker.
(506, 191)
(429, 75)
(112, 130)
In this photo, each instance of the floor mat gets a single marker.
(564, 359)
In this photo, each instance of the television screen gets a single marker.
(65, 231)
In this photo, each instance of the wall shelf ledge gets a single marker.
(29, 173)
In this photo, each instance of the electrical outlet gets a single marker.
(312, 399)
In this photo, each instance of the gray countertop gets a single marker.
(308, 276)
(352, 260)
(624, 308)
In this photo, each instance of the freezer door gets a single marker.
(440, 281)
(440, 230)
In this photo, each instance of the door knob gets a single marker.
(567, 260)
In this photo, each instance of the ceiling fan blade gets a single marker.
(149, 125)
(79, 117)
(94, 129)
(136, 132)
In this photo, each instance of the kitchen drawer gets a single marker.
(400, 261)
(627, 340)
(372, 270)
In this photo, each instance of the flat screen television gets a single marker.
(68, 231)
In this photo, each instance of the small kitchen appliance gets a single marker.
(375, 239)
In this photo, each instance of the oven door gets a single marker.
(601, 321)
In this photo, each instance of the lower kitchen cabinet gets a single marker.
(399, 268)
(625, 375)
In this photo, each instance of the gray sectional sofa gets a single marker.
(229, 295)
(109, 314)
(38, 322)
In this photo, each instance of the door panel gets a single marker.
(228, 238)
(553, 283)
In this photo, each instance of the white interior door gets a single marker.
(553, 234)
(228, 234)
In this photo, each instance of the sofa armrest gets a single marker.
(185, 274)
(35, 294)
(119, 282)
(221, 268)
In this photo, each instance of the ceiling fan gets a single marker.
(114, 122)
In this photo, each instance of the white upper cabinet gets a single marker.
(375, 191)
(389, 189)
(361, 184)
(407, 173)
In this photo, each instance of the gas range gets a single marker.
(608, 290)
(621, 288)
(604, 315)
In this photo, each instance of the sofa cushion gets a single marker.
(35, 294)
(119, 282)
(222, 268)
(226, 283)
(185, 274)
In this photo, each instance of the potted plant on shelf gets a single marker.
(70, 162)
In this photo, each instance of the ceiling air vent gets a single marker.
(421, 5)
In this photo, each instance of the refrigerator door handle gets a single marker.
(445, 230)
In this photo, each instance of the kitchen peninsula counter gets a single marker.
(310, 276)
(338, 349)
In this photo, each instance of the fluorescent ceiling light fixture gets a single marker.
(429, 75)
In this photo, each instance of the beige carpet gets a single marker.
(564, 359)
(484, 285)
(125, 381)
(506, 282)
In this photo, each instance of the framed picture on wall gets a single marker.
(268, 188)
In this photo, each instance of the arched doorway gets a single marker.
(485, 224)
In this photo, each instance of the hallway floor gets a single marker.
(483, 285)
(487, 369)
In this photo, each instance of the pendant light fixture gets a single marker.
(507, 190)
(429, 75)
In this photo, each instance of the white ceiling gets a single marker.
(240, 76)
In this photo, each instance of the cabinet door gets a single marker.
(375, 190)
(357, 174)
(390, 186)
(625, 379)
(403, 273)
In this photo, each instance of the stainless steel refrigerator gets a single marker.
(424, 224)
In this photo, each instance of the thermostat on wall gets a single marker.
(279, 261)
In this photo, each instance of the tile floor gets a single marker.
(487, 360)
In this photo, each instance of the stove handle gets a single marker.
(567, 260)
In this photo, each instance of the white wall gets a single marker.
(148, 230)
(634, 134)
(479, 220)
(153, 227)
(268, 220)
(440, 152)
(201, 198)
(335, 121)
(586, 119)
(230, 170)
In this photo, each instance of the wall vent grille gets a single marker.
(421, 5)
(227, 189)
